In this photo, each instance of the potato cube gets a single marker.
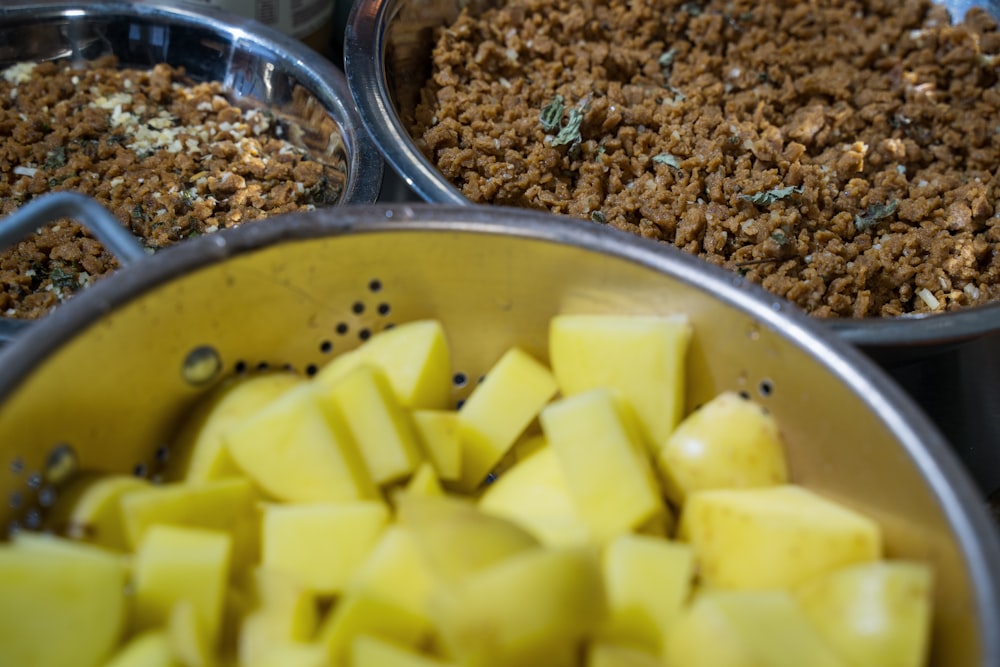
(773, 537)
(395, 572)
(293, 452)
(149, 649)
(641, 357)
(414, 357)
(201, 454)
(874, 614)
(374, 652)
(292, 654)
(360, 613)
(728, 443)
(605, 654)
(321, 545)
(226, 505)
(516, 388)
(527, 609)
(647, 580)
(534, 494)
(63, 603)
(285, 613)
(174, 564)
(186, 636)
(607, 470)
(746, 629)
(386, 439)
(89, 510)
(438, 432)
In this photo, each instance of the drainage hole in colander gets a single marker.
(201, 365)
(35, 481)
(162, 454)
(326, 347)
(459, 403)
(459, 379)
(745, 395)
(240, 367)
(17, 465)
(358, 308)
(342, 328)
(389, 325)
(47, 497)
(312, 369)
(61, 464)
(766, 388)
(15, 500)
(364, 334)
(375, 285)
(384, 309)
(140, 469)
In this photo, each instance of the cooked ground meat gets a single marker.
(169, 157)
(843, 153)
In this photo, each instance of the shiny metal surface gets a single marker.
(103, 376)
(386, 56)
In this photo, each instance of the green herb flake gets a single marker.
(692, 8)
(667, 59)
(873, 214)
(570, 132)
(667, 159)
(55, 158)
(768, 197)
(137, 213)
(62, 279)
(780, 237)
(552, 113)
(598, 217)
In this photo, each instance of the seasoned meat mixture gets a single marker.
(169, 157)
(843, 153)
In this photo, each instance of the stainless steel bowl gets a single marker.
(101, 383)
(949, 362)
(251, 59)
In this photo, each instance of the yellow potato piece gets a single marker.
(186, 636)
(527, 609)
(534, 494)
(321, 545)
(774, 537)
(374, 652)
(728, 443)
(89, 510)
(385, 436)
(62, 603)
(607, 470)
(746, 629)
(174, 564)
(285, 613)
(438, 432)
(874, 614)
(498, 411)
(361, 613)
(640, 357)
(294, 452)
(414, 357)
(292, 654)
(149, 649)
(605, 654)
(199, 453)
(647, 580)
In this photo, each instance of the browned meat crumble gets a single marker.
(169, 157)
(843, 153)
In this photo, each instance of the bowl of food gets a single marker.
(367, 433)
(840, 154)
(179, 120)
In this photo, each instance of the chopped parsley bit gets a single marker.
(873, 214)
(55, 158)
(667, 59)
(779, 237)
(768, 197)
(137, 213)
(667, 159)
(62, 279)
(323, 193)
(570, 132)
(692, 8)
(552, 113)
(598, 217)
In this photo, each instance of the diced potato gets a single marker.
(424, 482)
(773, 537)
(525, 610)
(321, 545)
(285, 613)
(647, 580)
(199, 451)
(415, 358)
(728, 443)
(381, 428)
(455, 538)
(498, 411)
(607, 470)
(89, 509)
(438, 432)
(534, 494)
(746, 629)
(641, 357)
(395, 572)
(293, 452)
(227, 505)
(374, 652)
(360, 613)
(188, 642)
(874, 614)
(149, 649)
(604, 654)
(292, 654)
(62, 603)
(174, 564)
